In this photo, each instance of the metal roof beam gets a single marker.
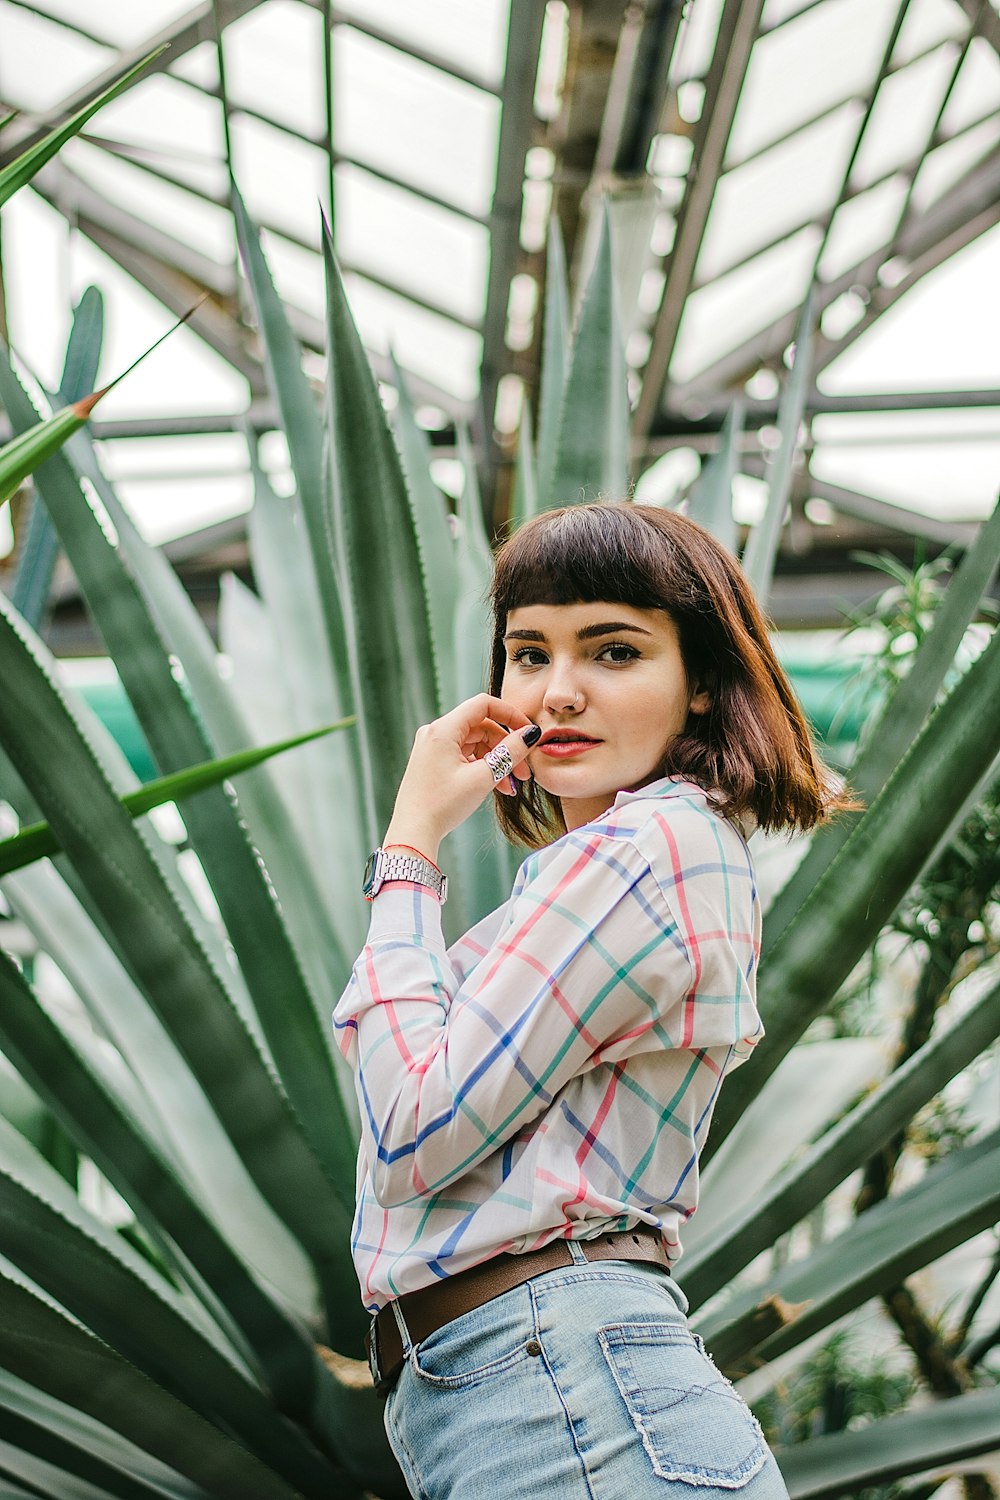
(410, 49)
(737, 32)
(183, 34)
(640, 83)
(927, 240)
(960, 216)
(517, 127)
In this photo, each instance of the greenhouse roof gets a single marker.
(746, 149)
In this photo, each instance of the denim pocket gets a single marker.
(479, 1345)
(694, 1427)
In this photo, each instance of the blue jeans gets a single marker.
(583, 1383)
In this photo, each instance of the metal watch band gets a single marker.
(386, 865)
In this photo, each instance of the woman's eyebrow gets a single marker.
(587, 633)
(612, 628)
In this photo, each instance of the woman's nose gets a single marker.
(561, 697)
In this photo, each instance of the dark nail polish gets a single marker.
(531, 735)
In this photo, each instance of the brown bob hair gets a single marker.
(753, 748)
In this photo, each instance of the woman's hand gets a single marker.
(447, 778)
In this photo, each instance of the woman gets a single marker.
(535, 1097)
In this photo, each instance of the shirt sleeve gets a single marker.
(589, 966)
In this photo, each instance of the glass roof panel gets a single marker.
(70, 60)
(940, 463)
(776, 192)
(472, 36)
(925, 25)
(123, 22)
(944, 166)
(428, 345)
(411, 120)
(186, 218)
(777, 11)
(862, 225)
(264, 55)
(282, 179)
(903, 115)
(977, 89)
(298, 274)
(183, 375)
(176, 485)
(199, 66)
(411, 243)
(194, 146)
(725, 313)
(826, 55)
(697, 42)
(931, 339)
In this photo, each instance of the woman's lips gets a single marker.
(563, 749)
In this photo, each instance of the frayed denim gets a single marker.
(584, 1384)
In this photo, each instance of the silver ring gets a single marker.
(499, 761)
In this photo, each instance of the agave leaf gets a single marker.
(944, 1434)
(113, 1138)
(899, 721)
(815, 1084)
(954, 1201)
(38, 841)
(175, 625)
(303, 430)
(555, 363)
(475, 574)
(122, 778)
(592, 454)
(42, 1345)
(166, 959)
(95, 1275)
(391, 650)
(482, 857)
(334, 840)
(884, 854)
(181, 1119)
(525, 474)
(289, 1016)
(799, 1189)
(77, 1437)
(23, 168)
(52, 1464)
(711, 500)
(23, 454)
(40, 547)
(762, 544)
(435, 546)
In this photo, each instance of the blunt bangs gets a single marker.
(581, 555)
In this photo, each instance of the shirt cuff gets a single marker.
(406, 908)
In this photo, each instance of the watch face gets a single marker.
(368, 880)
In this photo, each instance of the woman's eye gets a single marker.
(529, 656)
(618, 653)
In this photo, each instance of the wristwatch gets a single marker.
(385, 864)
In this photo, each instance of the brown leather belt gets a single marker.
(428, 1309)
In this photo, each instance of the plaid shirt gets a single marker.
(553, 1074)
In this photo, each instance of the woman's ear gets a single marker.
(701, 700)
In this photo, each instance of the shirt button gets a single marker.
(533, 1346)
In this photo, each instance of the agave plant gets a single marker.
(194, 1327)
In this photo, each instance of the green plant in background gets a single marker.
(205, 1337)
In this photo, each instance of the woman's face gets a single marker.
(607, 686)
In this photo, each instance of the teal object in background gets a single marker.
(111, 705)
(834, 704)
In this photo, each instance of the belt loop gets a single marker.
(576, 1253)
(404, 1332)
